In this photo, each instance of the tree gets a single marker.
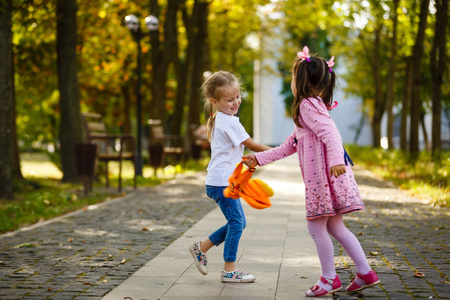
(197, 59)
(438, 59)
(390, 93)
(70, 130)
(416, 104)
(6, 100)
(406, 103)
(162, 54)
(379, 105)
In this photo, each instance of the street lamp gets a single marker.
(133, 23)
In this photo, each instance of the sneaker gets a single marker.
(370, 279)
(317, 291)
(237, 275)
(199, 258)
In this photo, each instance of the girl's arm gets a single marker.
(254, 146)
(277, 153)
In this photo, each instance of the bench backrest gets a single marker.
(93, 125)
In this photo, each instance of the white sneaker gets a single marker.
(199, 258)
(237, 275)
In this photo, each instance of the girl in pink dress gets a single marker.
(330, 187)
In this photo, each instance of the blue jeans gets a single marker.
(231, 232)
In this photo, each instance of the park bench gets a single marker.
(163, 147)
(112, 147)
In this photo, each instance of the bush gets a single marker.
(423, 177)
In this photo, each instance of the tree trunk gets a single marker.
(70, 130)
(437, 66)
(361, 123)
(417, 77)
(424, 130)
(161, 57)
(391, 78)
(406, 100)
(379, 99)
(200, 24)
(182, 71)
(16, 169)
(6, 100)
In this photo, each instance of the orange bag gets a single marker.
(254, 191)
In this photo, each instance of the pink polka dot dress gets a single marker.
(319, 147)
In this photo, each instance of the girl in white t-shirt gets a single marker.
(228, 138)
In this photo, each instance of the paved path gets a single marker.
(86, 254)
(103, 253)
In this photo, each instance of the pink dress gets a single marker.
(319, 147)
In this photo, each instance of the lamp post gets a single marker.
(133, 23)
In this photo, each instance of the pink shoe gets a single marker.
(317, 291)
(370, 279)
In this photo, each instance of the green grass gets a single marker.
(42, 195)
(422, 178)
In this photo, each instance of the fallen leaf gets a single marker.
(141, 211)
(83, 241)
(373, 253)
(123, 261)
(447, 282)
(304, 277)
(86, 283)
(105, 281)
(360, 233)
(109, 256)
(25, 245)
(49, 289)
(70, 240)
(419, 275)
(145, 229)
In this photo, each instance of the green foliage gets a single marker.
(230, 24)
(423, 178)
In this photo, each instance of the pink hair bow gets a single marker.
(304, 54)
(330, 64)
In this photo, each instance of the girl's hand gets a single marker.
(337, 170)
(250, 160)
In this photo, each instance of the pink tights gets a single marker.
(320, 228)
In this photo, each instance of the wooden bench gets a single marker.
(170, 145)
(112, 147)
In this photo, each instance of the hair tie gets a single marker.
(304, 55)
(330, 64)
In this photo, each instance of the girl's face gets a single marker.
(229, 101)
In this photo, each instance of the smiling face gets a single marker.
(229, 100)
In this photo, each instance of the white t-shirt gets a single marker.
(226, 148)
